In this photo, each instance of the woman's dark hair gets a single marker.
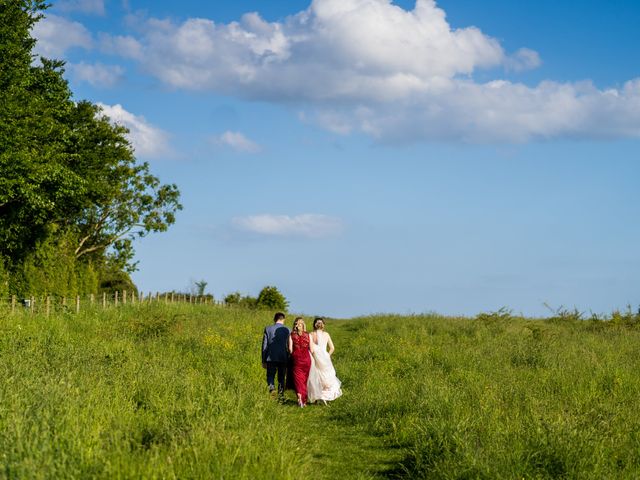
(316, 320)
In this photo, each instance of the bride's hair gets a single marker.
(303, 327)
(315, 322)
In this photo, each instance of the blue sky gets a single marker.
(370, 156)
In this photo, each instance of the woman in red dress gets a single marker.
(300, 347)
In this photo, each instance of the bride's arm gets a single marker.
(330, 344)
(311, 345)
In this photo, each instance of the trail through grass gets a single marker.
(177, 392)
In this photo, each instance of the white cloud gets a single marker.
(499, 111)
(306, 225)
(147, 140)
(123, 46)
(56, 35)
(336, 49)
(523, 59)
(85, 6)
(97, 74)
(370, 66)
(237, 141)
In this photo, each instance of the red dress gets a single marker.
(301, 360)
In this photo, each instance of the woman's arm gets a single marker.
(330, 344)
(311, 344)
(290, 344)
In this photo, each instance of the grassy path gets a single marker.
(337, 448)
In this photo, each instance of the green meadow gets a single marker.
(177, 391)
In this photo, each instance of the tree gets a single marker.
(271, 298)
(200, 286)
(236, 299)
(123, 200)
(68, 176)
(35, 185)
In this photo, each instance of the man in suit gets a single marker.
(274, 352)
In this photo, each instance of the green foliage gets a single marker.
(152, 324)
(48, 268)
(236, 299)
(123, 201)
(200, 287)
(67, 174)
(501, 315)
(4, 281)
(114, 280)
(626, 318)
(270, 298)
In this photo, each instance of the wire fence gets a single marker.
(48, 304)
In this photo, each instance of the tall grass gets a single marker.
(177, 391)
(138, 393)
(501, 398)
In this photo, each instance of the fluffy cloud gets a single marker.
(370, 66)
(147, 140)
(123, 46)
(237, 141)
(494, 112)
(56, 35)
(97, 74)
(523, 59)
(336, 49)
(85, 6)
(305, 225)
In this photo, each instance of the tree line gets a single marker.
(73, 197)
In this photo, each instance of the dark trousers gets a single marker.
(276, 367)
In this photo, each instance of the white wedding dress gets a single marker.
(323, 384)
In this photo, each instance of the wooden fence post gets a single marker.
(171, 297)
(124, 297)
(92, 299)
(48, 305)
(104, 300)
(77, 303)
(116, 299)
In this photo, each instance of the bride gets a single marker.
(323, 384)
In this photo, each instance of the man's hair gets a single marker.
(278, 316)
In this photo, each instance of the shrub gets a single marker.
(236, 299)
(502, 314)
(4, 281)
(271, 298)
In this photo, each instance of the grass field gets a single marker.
(178, 392)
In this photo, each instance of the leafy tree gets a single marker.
(271, 298)
(200, 286)
(236, 299)
(35, 184)
(69, 180)
(123, 200)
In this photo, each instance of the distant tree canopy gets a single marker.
(269, 298)
(72, 196)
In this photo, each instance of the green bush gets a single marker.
(236, 299)
(270, 298)
(4, 281)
